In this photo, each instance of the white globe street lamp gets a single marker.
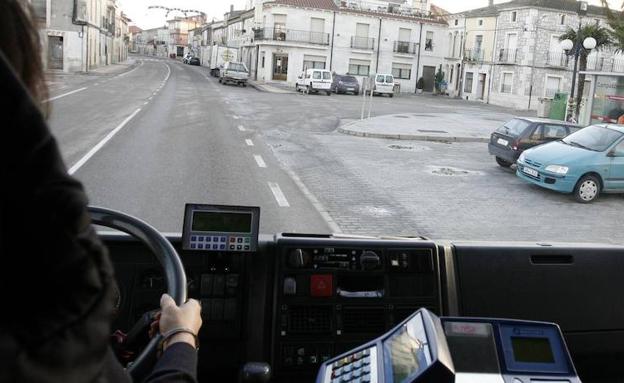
(589, 43)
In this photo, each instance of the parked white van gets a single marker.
(382, 83)
(234, 72)
(315, 80)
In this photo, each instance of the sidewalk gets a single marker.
(61, 81)
(442, 127)
(270, 87)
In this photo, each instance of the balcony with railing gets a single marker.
(557, 59)
(405, 47)
(291, 35)
(606, 64)
(474, 55)
(367, 43)
(508, 56)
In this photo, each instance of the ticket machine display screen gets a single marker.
(532, 350)
(220, 228)
(406, 352)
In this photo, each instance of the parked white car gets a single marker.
(315, 80)
(234, 72)
(382, 83)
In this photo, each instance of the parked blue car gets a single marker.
(584, 163)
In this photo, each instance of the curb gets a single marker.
(416, 137)
(261, 88)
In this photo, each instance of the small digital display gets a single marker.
(407, 351)
(532, 350)
(223, 222)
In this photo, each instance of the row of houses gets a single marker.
(79, 35)
(507, 54)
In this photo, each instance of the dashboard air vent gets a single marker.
(363, 320)
(309, 319)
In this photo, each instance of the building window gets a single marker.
(262, 65)
(40, 9)
(313, 62)
(480, 22)
(429, 41)
(402, 71)
(359, 67)
(562, 20)
(514, 16)
(456, 22)
(553, 85)
(507, 82)
(468, 82)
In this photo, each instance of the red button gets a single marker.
(321, 285)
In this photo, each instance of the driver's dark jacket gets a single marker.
(56, 277)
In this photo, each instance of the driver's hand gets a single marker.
(187, 315)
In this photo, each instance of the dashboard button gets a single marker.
(239, 247)
(200, 239)
(239, 239)
(215, 247)
(200, 246)
(232, 247)
(246, 247)
(222, 247)
(223, 239)
(193, 238)
(247, 240)
(193, 246)
(232, 239)
(215, 239)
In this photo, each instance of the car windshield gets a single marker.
(514, 127)
(147, 131)
(597, 138)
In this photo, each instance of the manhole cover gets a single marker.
(449, 171)
(399, 116)
(431, 131)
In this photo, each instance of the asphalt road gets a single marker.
(182, 142)
(163, 134)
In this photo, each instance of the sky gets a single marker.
(146, 18)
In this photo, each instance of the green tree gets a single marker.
(616, 22)
(603, 40)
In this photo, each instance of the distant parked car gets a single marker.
(584, 163)
(519, 134)
(382, 84)
(345, 84)
(234, 72)
(315, 80)
(194, 61)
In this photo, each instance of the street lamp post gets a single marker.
(574, 48)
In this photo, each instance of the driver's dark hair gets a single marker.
(20, 44)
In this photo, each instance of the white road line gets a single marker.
(149, 98)
(65, 94)
(235, 117)
(279, 196)
(241, 128)
(100, 144)
(145, 103)
(249, 142)
(260, 161)
(333, 226)
(96, 84)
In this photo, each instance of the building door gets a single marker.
(280, 67)
(55, 52)
(429, 77)
(180, 51)
(481, 88)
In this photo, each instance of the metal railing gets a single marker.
(362, 42)
(278, 34)
(508, 56)
(405, 47)
(474, 54)
(557, 59)
(605, 64)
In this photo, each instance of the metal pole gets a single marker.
(372, 92)
(364, 86)
(577, 49)
(418, 57)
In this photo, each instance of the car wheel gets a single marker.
(391, 95)
(502, 162)
(328, 92)
(244, 85)
(356, 93)
(587, 189)
(307, 89)
(220, 82)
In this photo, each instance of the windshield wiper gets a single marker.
(574, 143)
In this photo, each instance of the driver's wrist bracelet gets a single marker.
(167, 336)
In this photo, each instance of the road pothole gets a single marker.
(449, 171)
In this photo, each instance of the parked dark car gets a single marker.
(519, 134)
(345, 84)
(194, 61)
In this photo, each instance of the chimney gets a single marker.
(490, 3)
(231, 8)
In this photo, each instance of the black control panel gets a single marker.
(331, 297)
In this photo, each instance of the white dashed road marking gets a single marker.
(260, 161)
(235, 117)
(241, 128)
(279, 195)
(249, 142)
(100, 144)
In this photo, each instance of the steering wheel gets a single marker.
(175, 277)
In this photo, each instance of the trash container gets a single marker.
(543, 107)
(558, 106)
